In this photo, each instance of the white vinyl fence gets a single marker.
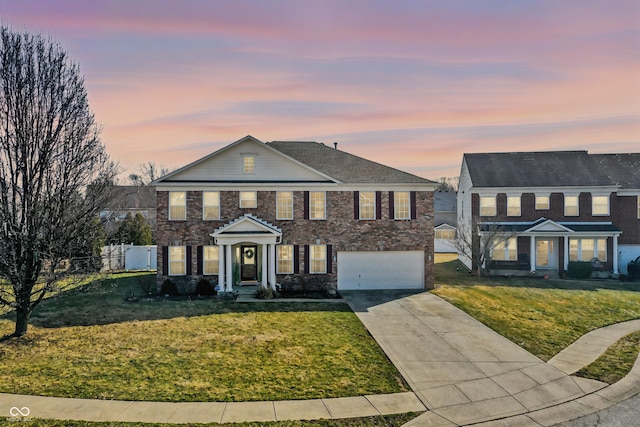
(129, 257)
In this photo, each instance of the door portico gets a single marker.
(247, 243)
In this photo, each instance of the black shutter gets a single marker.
(392, 209)
(306, 205)
(296, 259)
(189, 258)
(378, 205)
(329, 259)
(165, 260)
(199, 261)
(307, 259)
(414, 210)
(356, 205)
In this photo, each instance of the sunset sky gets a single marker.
(411, 84)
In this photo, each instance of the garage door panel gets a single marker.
(381, 270)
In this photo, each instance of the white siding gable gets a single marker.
(226, 165)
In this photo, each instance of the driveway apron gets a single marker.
(461, 370)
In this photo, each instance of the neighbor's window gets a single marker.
(248, 199)
(542, 202)
(285, 259)
(638, 207)
(446, 234)
(210, 258)
(600, 205)
(571, 206)
(177, 260)
(248, 164)
(318, 258)
(284, 205)
(210, 205)
(401, 205)
(487, 205)
(317, 205)
(513, 205)
(177, 205)
(367, 205)
(506, 250)
(587, 249)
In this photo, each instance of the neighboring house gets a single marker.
(265, 212)
(445, 220)
(555, 207)
(130, 199)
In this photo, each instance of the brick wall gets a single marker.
(340, 229)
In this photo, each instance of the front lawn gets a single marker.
(94, 344)
(542, 316)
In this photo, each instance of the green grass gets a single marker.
(542, 316)
(91, 343)
(616, 362)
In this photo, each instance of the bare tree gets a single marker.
(54, 171)
(448, 183)
(147, 173)
(476, 241)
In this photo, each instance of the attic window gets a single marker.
(248, 163)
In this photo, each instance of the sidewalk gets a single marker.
(460, 371)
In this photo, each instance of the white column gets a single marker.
(615, 254)
(272, 265)
(265, 271)
(221, 267)
(532, 249)
(566, 253)
(229, 269)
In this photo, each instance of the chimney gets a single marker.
(335, 145)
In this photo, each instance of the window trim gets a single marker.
(311, 205)
(240, 193)
(184, 206)
(204, 206)
(577, 205)
(396, 204)
(446, 230)
(289, 261)
(506, 249)
(537, 204)
(371, 206)
(519, 198)
(596, 248)
(593, 205)
(312, 259)
(205, 259)
(493, 208)
(638, 206)
(252, 165)
(170, 261)
(278, 217)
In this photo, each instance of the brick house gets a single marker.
(255, 212)
(555, 207)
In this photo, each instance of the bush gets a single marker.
(579, 269)
(264, 293)
(169, 288)
(204, 288)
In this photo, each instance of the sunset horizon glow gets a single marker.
(413, 85)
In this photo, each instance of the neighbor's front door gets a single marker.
(248, 266)
(546, 253)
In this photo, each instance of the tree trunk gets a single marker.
(22, 321)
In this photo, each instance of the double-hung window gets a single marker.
(210, 260)
(248, 199)
(401, 205)
(210, 205)
(542, 202)
(513, 205)
(587, 249)
(317, 205)
(284, 205)
(506, 250)
(248, 164)
(318, 258)
(571, 206)
(177, 205)
(600, 205)
(285, 259)
(367, 205)
(488, 206)
(177, 260)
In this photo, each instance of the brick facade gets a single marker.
(340, 229)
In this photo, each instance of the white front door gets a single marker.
(546, 253)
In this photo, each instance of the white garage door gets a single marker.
(381, 270)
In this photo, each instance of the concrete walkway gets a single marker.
(461, 371)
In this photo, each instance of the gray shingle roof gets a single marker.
(343, 166)
(553, 169)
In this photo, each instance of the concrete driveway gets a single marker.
(461, 370)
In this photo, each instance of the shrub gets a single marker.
(204, 288)
(264, 293)
(169, 288)
(579, 269)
